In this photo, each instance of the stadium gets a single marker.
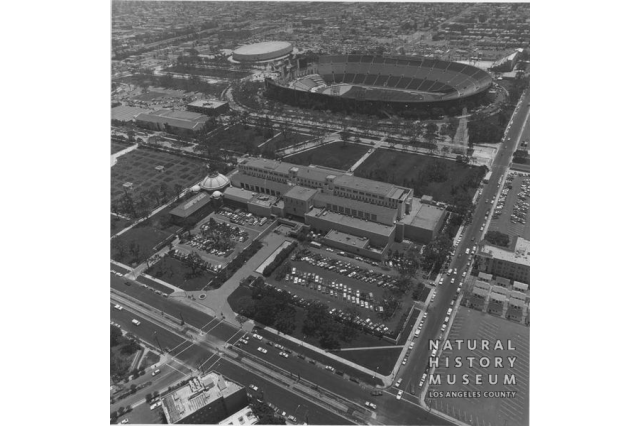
(379, 84)
(261, 52)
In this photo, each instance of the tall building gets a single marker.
(329, 199)
(514, 265)
(204, 400)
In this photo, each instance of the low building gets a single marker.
(126, 114)
(208, 107)
(192, 208)
(177, 122)
(513, 265)
(204, 400)
(244, 417)
(422, 223)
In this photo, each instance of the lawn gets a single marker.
(239, 138)
(146, 238)
(138, 167)
(380, 360)
(293, 138)
(154, 285)
(323, 359)
(177, 273)
(406, 332)
(118, 224)
(150, 359)
(440, 178)
(119, 146)
(336, 155)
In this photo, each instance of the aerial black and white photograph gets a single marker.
(320, 213)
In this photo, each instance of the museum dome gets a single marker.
(214, 182)
(217, 195)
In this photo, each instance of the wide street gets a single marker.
(192, 354)
(437, 310)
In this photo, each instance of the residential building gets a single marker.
(513, 265)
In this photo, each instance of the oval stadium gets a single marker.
(373, 84)
(265, 51)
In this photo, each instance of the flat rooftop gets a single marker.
(423, 216)
(351, 222)
(300, 193)
(192, 205)
(199, 392)
(348, 239)
(521, 254)
(127, 113)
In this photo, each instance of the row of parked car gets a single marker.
(349, 270)
(334, 289)
(240, 217)
(365, 324)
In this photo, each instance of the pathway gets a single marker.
(216, 300)
(120, 153)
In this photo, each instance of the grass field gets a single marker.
(179, 274)
(146, 237)
(118, 224)
(309, 353)
(138, 167)
(335, 155)
(405, 169)
(380, 360)
(293, 138)
(470, 325)
(119, 146)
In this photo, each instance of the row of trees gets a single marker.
(280, 257)
(142, 204)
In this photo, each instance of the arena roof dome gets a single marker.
(264, 51)
(214, 182)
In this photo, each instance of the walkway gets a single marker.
(216, 300)
(120, 153)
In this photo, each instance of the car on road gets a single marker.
(370, 405)
(464, 274)
(135, 322)
(263, 350)
(154, 406)
(156, 372)
(284, 354)
(399, 396)
(253, 388)
(118, 307)
(376, 393)
(330, 368)
(404, 361)
(124, 422)
(257, 336)
(444, 327)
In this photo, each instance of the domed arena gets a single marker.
(265, 51)
(214, 182)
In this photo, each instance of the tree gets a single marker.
(177, 188)
(117, 245)
(116, 336)
(497, 238)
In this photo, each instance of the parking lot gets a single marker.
(511, 215)
(216, 241)
(341, 284)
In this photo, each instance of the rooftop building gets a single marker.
(204, 400)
